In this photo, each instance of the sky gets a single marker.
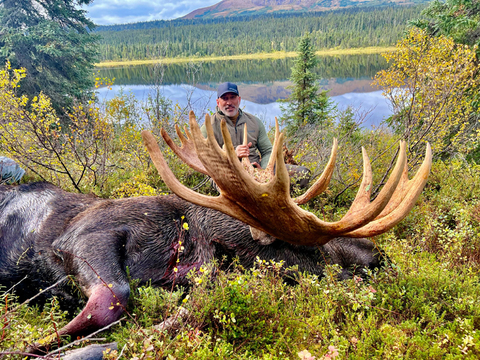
(109, 12)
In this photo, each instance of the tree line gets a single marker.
(246, 35)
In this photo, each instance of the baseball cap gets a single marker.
(227, 87)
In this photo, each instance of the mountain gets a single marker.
(227, 8)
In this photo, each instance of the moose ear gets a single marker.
(260, 236)
(262, 199)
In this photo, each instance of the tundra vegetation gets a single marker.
(424, 304)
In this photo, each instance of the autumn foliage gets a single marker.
(429, 83)
(34, 135)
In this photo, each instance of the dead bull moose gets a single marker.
(47, 233)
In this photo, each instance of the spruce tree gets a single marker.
(52, 40)
(458, 19)
(306, 104)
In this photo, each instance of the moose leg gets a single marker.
(97, 267)
(105, 305)
(95, 260)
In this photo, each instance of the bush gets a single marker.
(445, 221)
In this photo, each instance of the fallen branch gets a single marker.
(73, 343)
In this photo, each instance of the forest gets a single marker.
(422, 301)
(351, 28)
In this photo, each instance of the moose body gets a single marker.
(47, 233)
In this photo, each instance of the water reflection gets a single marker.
(203, 100)
(346, 67)
(261, 83)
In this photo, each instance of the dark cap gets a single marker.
(227, 87)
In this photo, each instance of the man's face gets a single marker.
(229, 104)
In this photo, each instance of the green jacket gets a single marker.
(257, 135)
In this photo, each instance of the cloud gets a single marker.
(108, 12)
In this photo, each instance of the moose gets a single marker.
(47, 233)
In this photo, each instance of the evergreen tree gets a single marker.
(458, 19)
(306, 104)
(52, 40)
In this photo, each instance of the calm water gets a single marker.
(261, 83)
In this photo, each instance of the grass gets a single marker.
(417, 309)
(258, 56)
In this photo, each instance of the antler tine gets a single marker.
(322, 182)
(245, 135)
(280, 181)
(189, 136)
(245, 160)
(187, 151)
(361, 205)
(398, 195)
(200, 142)
(408, 194)
(273, 158)
(218, 203)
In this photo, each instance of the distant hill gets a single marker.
(225, 36)
(229, 8)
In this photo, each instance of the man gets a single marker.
(259, 148)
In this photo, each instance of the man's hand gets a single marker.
(243, 150)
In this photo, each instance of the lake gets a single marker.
(261, 83)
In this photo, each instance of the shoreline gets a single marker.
(257, 56)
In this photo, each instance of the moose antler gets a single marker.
(267, 206)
